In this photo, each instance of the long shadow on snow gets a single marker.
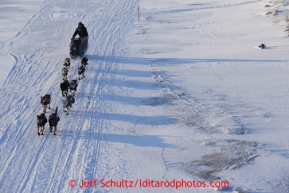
(142, 61)
(134, 119)
(143, 120)
(138, 84)
(132, 73)
(151, 101)
(141, 140)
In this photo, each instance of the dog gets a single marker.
(64, 86)
(84, 62)
(262, 46)
(67, 62)
(64, 73)
(53, 121)
(81, 70)
(67, 103)
(41, 121)
(45, 101)
(73, 86)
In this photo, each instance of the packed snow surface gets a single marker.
(177, 96)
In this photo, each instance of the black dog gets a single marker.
(53, 121)
(64, 86)
(262, 46)
(84, 62)
(73, 86)
(81, 70)
(41, 121)
(67, 103)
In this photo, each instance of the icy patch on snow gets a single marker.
(233, 154)
(162, 97)
(211, 121)
(194, 121)
(283, 185)
(240, 190)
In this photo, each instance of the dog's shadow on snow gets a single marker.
(132, 73)
(137, 84)
(140, 140)
(150, 101)
(143, 120)
(134, 119)
(170, 61)
(134, 139)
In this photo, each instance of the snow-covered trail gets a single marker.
(46, 163)
(182, 94)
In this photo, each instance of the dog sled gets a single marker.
(75, 48)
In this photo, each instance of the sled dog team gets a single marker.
(78, 46)
(67, 100)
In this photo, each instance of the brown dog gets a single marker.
(45, 101)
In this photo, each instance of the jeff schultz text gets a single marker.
(148, 183)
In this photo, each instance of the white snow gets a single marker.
(181, 93)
